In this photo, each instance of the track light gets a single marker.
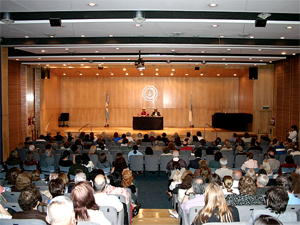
(7, 18)
(139, 17)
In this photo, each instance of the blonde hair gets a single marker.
(266, 166)
(251, 173)
(35, 175)
(177, 176)
(228, 182)
(64, 177)
(186, 172)
(23, 180)
(93, 149)
(214, 199)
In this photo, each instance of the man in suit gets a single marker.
(155, 112)
(195, 163)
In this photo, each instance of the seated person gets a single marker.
(285, 182)
(56, 188)
(49, 160)
(29, 161)
(14, 159)
(249, 163)
(186, 147)
(288, 163)
(29, 200)
(223, 171)
(215, 208)
(77, 165)
(64, 159)
(261, 183)
(155, 112)
(144, 112)
(216, 163)
(276, 200)
(195, 163)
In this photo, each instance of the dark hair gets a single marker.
(65, 154)
(195, 138)
(294, 127)
(202, 142)
(234, 134)
(77, 141)
(216, 178)
(176, 165)
(78, 159)
(12, 175)
(218, 156)
(277, 199)
(74, 148)
(120, 164)
(218, 140)
(42, 136)
(29, 198)
(56, 187)
(135, 147)
(249, 155)
(198, 153)
(149, 151)
(284, 181)
(188, 134)
(246, 135)
(102, 157)
(125, 140)
(116, 179)
(85, 159)
(267, 220)
(262, 171)
(199, 133)
(48, 146)
(205, 172)
(67, 144)
(146, 136)
(289, 159)
(164, 134)
(29, 157)
(82, 196)
(187, 181)
(87, 137)
(101, 145)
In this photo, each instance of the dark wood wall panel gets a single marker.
(287, 84)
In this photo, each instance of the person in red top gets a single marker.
(288, 163)
(186, 147)
(144, 112)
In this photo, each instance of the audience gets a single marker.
(216, 162)
(223, 171)
(261, 183)
(285, 182)
(249, 163)
(288, 163)
(176, 159)
(78, 166)
(14, 159)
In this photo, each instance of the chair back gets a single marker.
(186, 158)
(287, 170)
(13, 205)
(29, 168)
(239, 160)
(22, 222)
(227, 152)
(94, 158)
(230, 160)
(193, 213)
(47, 170)
(259, 158)
(209, 158)
(64, 169)
(136, 162)
(11, 196)
(110, 214)
(12, 166)
(164, 159)
(151, 162)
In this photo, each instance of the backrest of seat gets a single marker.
(94, 158)
(227, 152)
(186, 158)
(29, 168)
(13, 205)
(193, 213)
(110, 214)
(22, 222)
(209, 158)
(109, 158)
(11, 196)
(230, 160)
(151, 162)
(239, 160)
(12, 166)
(164, 159)
(64, 169)
(185, 152)
(259, 158)
(136, 162)
(245, 211)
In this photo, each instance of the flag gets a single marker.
(106, 106)
(191, 109)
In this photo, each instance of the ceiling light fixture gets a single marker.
(97, 74)
(92, 4)
(289, 27)
(26, 36)
(64, 64)
(228, 49)
(139, 17)
(141, 74)
(221, 36)
(156, 74)
(214, 25)
(138, 25)
(126, 74)
(294, 53)
(156, 69)
(124, 69)
(282, 37)
(64, 74)
(202, 51)
(82, 35)
(43, 50)
(173, 69)
(171, 74)
(218, 74)
(17, 59)
(201, 74)
(283, 53)
(55, 22)
(6, 19)
(186, 74)
(213, 5)
(261, 20)
(234, 74)
(259, 50)
(80, 74)
(251, 37)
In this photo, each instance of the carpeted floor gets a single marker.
(152, 191)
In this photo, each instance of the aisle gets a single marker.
(154, 216)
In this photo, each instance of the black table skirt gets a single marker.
(148, 123)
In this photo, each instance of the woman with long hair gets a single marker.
(29, 161)
(267, 167)
(85, 207)
(86, 161)
(216, 208)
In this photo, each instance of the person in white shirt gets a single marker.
(236, 174)
(250, 163)
(223, 171)
(103, 199)
(129, 138)
(134, 152)
(293, 133)
(199, 135)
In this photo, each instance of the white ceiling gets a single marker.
(197, 41)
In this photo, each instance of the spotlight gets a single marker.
(100, 67)
(6, 19)
(261, 20)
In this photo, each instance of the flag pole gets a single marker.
(191, 110)
(106, 110)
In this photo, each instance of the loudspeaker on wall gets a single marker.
(45, 73)
(253, 73)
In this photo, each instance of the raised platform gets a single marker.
(210, 133)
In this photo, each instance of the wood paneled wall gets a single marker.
(84, 99)
(287, 105)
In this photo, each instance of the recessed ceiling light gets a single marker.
(117, 48)
(67, 49)
(191, 59)
(156, 69)
(92, 4)
(137, 25)
(26, 36)
(112, 74)
(251, 37)
(234, 74)
(226, 64)
(42, 50)
(228, 49)
(214, 25)
(124, 69)
(289, 27)
(80, 74)
(64, 64)
(173, 69)
(250, 58)
(218, 74)
(97, 74)
(64, 74)
(141, 74)
(283, 53)
(213, 5)
(51, 36)
(254, 64)
(173, 50)
(270, 61)
(201, 74)
(261, 60)
(126, 74)
(202, 51)
(128, 59)
(47, 65)
(186, 74)
(82, 35)
(223, 59)
(103, 57)
(111, 35)
(83, 58)
(39, 64)
(39, 58)
(96, 51)
(221, 36)
(156, 74)
(17, 59)
(282, 37)
(171, 74)
(294, 53)
(259, 50)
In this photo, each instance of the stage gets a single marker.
(209, 134)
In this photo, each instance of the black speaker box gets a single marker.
(55, 22)
(197, 68)
(260, 22)
(45, 73)
(64, 117)
(253, 73)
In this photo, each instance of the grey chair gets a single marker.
(122, 199)
(185, 152)
(36, 156)
(13, 205)
(152, 164)
(209, 158)
(137, 162)
(22, 222)
(245, 211)
(164, 159)
(255, 152)
(43, 188)
(47, 170)
(11, 196)
(227, 152)
(64, 169)
(57, 157)
(111, 215)
(12, 166)
(259, 158)
(158, 152)
(110, 158)
(22, 154)
(186, 158)
(239, 160)
(94, 158)
(230, 160)
(29, 168)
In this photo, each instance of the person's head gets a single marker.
(223, 162)
(202, 163)
(227, 144)
(198, 185)
(228, 182)
(190, 142)
(199, 133)
(60, 211)
(246, 135)
(152, 134)
(35, 175)
(80, 177)
(13, 154)
(12, 175)
(294, 127)
(146, 136)
(116, 179)
(64, 177)
(52, 139)
(28, 139)
(125, 140)
(187, 181)
(195, 138)
(74, 148)
(83, 199)
(78, 159)
(130, 145)
(203, 142)
(262, 180)
(29, 157)
(216, 178)
(247, 186)
(85, 158)
(93, 149)
(100, 183)
(251, 173)
(67, 144)
(277, 199)
(214, 199)
(271, 155)
(120, 164)
(186, 172)
(143, 109)
(102, 157)
(218, 156)
(285, 182)
(239, 149)
(166, 151)
(148, 151)
(289, 159)
(23, 180)
(139, 135)
(237, 175)
(249, 155)
(139, 142)
(296, 182)
(266, 166)
(205, 172)
(267, 220)
(171, 146)
(177, 176)
(56, 187)
(127, 178)
(65, 155)
(31, 148)
(29, 198)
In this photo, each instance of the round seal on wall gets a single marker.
(149, 93)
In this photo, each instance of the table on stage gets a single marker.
(148, 123)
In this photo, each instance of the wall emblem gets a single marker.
(149, 93)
